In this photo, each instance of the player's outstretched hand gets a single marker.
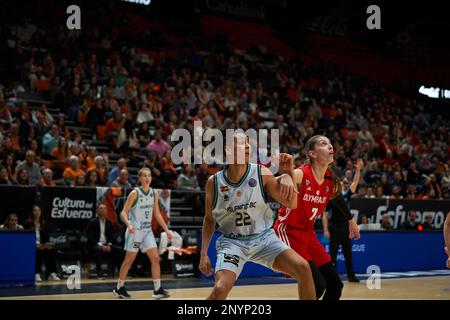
(205, 266)
(286, 162)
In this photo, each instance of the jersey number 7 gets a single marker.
(314, 211)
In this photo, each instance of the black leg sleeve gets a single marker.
(319, 280)
(334, 284)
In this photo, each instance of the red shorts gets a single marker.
(304, 242)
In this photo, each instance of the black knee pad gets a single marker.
(319, 280)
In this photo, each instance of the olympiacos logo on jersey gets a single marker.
(315, 199)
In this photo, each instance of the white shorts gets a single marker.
(141, 239)
(232, 254)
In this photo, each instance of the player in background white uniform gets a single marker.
(137, 213)
(239, 207)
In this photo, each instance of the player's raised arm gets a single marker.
(358, 166)
(126, 209)
(282, 190)
(209, 226)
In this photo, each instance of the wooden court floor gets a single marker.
(437, 287)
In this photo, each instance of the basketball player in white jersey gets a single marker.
(137, 213)
(235, 200)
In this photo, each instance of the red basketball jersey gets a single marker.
(312, 200)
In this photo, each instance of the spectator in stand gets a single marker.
(10, 166)
(32, 168)
(114, 173)
(411, 192)
(90, 159)
(445, 180)
(7, 149)
(73, 171)
(169, 173)
(60, 155)
(410, 223)
(64, 131)
(432, 188)
(128, 142)
(396, 193)
(4, 177)
(45, 252)
(122, 180)
(363, 219)
(143, 134)
(42, 112)
(50, 141)
(428, 223)
(100, 234)
(12, 223)
(187, 180)
(21, 178)
(373, 175)
(80, 180)
(96, 116)
(112, 128)
(155, 167)
(400, 181)
(157, 145)
(386, 222)
(101, 168)
(47, 178)
(92, 178)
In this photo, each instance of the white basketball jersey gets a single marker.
(240, 209)
(142, 210)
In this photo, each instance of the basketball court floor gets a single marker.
(433, 284)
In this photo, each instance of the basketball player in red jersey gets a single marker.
(316, 184)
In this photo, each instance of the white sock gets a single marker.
(120, 284)
(156, 284)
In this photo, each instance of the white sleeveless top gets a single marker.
(142, 210)
(240, 209)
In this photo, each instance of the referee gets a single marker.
(339, 224)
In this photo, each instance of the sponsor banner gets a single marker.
(395, 251)
(398, 210)
(18, 200)
(183, 268)
(68, 208)
(390, 250)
